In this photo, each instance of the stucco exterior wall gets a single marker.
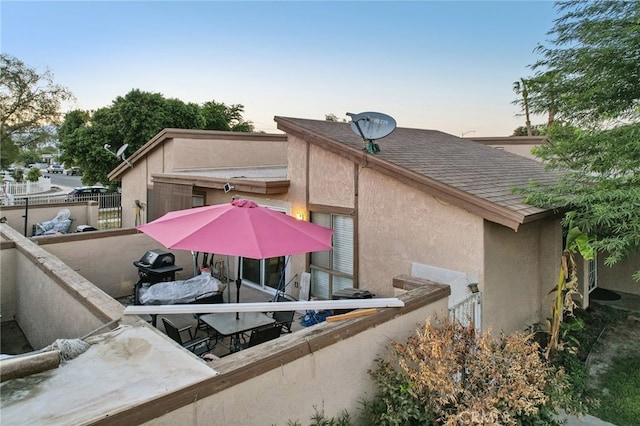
(223, 153)
(398, 225)
(619, 277)
(180, 154)
(331, 179)
(134, 187)
(520, 268)
(297, 175)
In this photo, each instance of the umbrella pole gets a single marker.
(228, 282)
(238, 284)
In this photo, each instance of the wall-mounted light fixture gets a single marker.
(227, 187)
(473, 287)
(300, 216)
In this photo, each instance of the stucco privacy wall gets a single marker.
(8, 255)
(520, 268)
(398, 225)
(81, 214)
(49, 292)
(106, 257)
(332, 379)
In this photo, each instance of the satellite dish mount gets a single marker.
(119, 153)
(371, 126)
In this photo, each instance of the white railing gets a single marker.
(26, 188)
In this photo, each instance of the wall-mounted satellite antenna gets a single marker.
(119, 153)
(371, 126)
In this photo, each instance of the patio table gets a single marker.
(226, 324)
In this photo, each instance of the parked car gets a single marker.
(73, 171)
(56, 168)
(41, 166)
(86, 193)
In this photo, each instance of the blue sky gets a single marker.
(444, 65)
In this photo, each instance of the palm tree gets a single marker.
(520, 88)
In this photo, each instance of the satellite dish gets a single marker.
(371, 126)
(121, 150)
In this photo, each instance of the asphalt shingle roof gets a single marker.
(471, 172)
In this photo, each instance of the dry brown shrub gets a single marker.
(466, 379)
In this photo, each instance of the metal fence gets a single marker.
(109, 206)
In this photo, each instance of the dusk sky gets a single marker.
(443, 65)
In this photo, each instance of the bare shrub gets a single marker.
(458, 378)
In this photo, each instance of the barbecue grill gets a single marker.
(154, 267)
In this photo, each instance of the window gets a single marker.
(332, 270)
(264, 273)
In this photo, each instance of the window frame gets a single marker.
(333, 212)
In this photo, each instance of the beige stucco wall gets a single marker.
(332, 379)
(81, 214)
(106, 257)
(296, 196)
(619, 277)
(398, 225)
(331, 179)
(520, 268)
(222, 153)
(134, 187)
(181, 154)
(8, 255)
(52, 301)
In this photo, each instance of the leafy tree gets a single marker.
(30, 103)
(593, 64)
(133, 119)
(590, 80)
(333, 117)
(601, 186)
(219, 116)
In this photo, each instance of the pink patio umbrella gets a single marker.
(240, 228)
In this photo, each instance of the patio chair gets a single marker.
(197, 345)
(263, 334)
(284, 318)
(208, 298)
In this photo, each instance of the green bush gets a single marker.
(34, 174)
